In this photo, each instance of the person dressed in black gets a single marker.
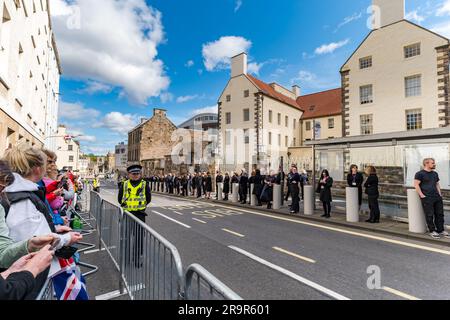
(324, 188)
(226, 186)
(427, 185)
(373, 194)
(294, 186)
(289, 182)
(219, 179)
(243, 187)
(184, 186)
(355, 180)
(199, 185)
(208, 185)
(267, 192)
(259, 183)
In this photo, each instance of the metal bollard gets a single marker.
(235, 195)
(276, 197)
(220, 191)
(308, 204)
(416, 215)
(253, 199)
(352, 204)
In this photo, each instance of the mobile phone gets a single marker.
(66, 252)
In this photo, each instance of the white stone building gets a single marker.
(67, 150)
(258, 122)
(29, 74)
(121, 158)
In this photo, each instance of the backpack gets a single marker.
(33, 196)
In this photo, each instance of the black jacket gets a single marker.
(371, 186)
(358, 180)
(259, 183)
(18, 286)
(226, 184)
(325, 190)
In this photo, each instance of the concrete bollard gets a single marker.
(351, 195)
(220, 191)
(235, 195)
(416, 215)
(276, 197)
(253, 199)
(308, 202)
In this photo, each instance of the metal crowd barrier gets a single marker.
(150, 267)
(202, 285)
(47, 293)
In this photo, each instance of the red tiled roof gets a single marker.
(326, 103)
(271, 92)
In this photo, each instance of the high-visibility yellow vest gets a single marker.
(95, 183)
(134, 198)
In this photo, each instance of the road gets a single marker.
(263, 256)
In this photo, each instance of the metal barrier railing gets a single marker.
(47, 293)
(151, 266)
(202, 285)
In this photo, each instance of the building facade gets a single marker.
(322, 119)
(121, 157)
(204, 121)
(258, 122)
(67, 150)
(397, 79)
(83, 166)
(29, 75)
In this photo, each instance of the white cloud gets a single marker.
(349, 19)
(255, 67)
(184, 99)
(415, 16)
(442, 29)
(166, 97)
(211, 109)
(86, 138)
(115, 43)
(76, 111)
(444, 10)
(238, 5)
(93, 87)
(331, 47)
(311, 80)
(217, 54)
(118, 122)
(189, 64)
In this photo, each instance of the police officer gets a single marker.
(134, 193)
(96, 184)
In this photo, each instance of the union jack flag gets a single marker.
(68, 283)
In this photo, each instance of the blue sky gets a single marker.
(123, 58)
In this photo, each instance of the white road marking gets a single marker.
(179, 213)
(292, 275)
(353, 233)
(400, 294)
(110, 295)
(234, 233)
(294, 255)
(173, 220)
(94, 251)
(198, 220)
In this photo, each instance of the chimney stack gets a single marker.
(296, 90)
(386, 12)
(239, 65)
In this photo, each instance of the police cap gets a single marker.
(134, 169)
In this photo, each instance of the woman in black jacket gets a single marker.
(355, 180)
(258, 180)
(373, 194)
(324, 188)
(208, 186)
(226, 186)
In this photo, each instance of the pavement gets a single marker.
(273, 256)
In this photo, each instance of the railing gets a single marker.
(202, 285)
(150, 267)
(47, 292)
